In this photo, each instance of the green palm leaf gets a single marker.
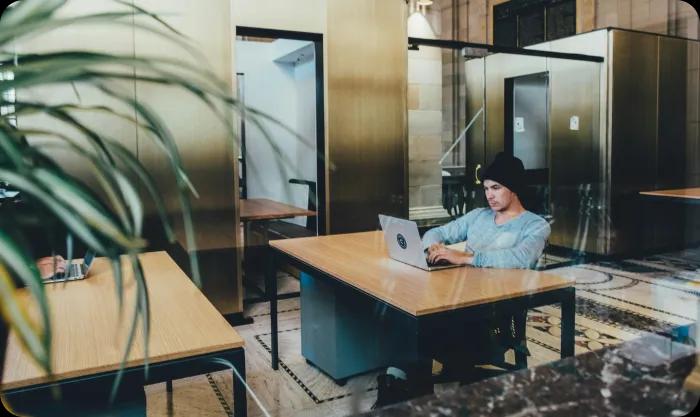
(31, 10)
(70, 219)
(38, 343)
(108, 178)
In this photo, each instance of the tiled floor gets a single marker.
(616, 301)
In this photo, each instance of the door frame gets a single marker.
(317, 39)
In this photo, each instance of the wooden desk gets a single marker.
(686, 194)
(264, 209)
(360, 261)
(88, 337)
(664, 218)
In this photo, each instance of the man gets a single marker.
(505, 235)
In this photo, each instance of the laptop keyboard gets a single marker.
(441, 262)
(73, 271)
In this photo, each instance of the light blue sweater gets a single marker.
(518, 243)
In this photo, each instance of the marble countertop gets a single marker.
(642, 377)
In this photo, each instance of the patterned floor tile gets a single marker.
(616, 301)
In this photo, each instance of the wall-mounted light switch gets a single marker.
(573, 123)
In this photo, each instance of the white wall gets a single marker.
(286, 92)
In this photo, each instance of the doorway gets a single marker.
(526, 129)
(280, 73)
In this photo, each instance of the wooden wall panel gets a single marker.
(585, 15)
(367, 120)
(202, 139)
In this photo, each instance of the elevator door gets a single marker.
(475, 153)
(527, 135)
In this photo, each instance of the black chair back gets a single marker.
(311, 205)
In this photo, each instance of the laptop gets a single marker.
(404, 243)
(76, 269)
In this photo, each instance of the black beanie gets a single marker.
(508, 171)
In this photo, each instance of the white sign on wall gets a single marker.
(573, 123)
(519, 124)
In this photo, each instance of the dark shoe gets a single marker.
(392, 388)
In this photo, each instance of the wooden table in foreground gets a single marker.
(263, 209)
(186, 333)
(423, 301)
(682, 194)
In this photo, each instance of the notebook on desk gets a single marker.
(404, 244)
(75, 270)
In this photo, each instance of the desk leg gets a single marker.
(271, 290)
(520, 321)
(420, 376)
(240, 403)
(568, 317)
(265, 225)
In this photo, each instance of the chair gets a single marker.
(494, 339)
(285, 230)
(454, 195)
(504, 334)
(510, 332)
(311, 203)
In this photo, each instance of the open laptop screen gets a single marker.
(87, 260)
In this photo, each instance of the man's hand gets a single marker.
(46, 266)
(434, 247)
(439, 252)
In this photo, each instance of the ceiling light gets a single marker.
(424, 2)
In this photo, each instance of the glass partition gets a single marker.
(546, 111)
(540, 109)
(445, 123)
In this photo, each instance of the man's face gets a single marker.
(498, 196)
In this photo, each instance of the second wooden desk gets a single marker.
(426, 304)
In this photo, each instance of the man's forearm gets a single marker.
(430, 237)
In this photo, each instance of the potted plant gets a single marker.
(109, 225)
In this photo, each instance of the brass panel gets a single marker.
(592, 226)
(112, 39)
(692, 178)
(575, 184)
(585, 15)
(367, 113)
(675, 222)
(207, 152)
(633, 131)
(302, 16)
(672, 123)
(201, 138)
(693, 114)
(476, 137)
